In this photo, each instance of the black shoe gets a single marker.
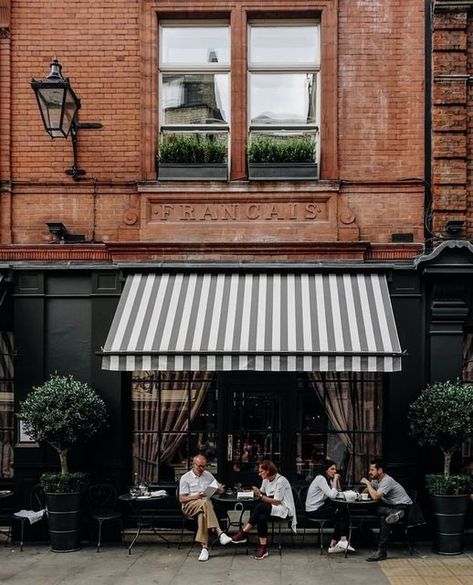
(394, 517)
(379, 555)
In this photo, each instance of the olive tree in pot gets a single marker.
(443, 416)
(63, 412)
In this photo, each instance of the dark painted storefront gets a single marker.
(61, 318)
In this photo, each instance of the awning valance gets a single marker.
(254, 321)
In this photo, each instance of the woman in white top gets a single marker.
(275, 499)
(319, 504)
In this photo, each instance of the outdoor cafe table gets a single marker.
(145, 517)
(230, 501)
(358, 507)
(5, 494)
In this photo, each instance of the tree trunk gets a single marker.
(63, 458)
(447, 458)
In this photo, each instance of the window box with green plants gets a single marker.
(63, 412)
(280, 158)
(442, 416)
(193, 158)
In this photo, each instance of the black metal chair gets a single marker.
(412, 520)
(102, 501)
(188, 523)
(305, 521)
(37, 503)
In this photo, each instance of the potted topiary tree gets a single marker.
(443, 416)
(63, 412)
(192, 158)
(282, 158)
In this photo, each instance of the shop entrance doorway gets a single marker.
(256, 420)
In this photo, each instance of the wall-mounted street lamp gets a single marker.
(59, 107)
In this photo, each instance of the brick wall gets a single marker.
(104, 48)
(452, 100)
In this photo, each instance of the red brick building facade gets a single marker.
(386, 95)
(372, 136)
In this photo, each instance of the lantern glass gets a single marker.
(58, 105)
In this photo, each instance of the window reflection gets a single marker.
(195, 99)
(283, 98)
(290, 45)
(195, 45)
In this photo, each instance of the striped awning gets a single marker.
(253, 321)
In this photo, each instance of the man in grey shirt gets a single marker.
(394, 503)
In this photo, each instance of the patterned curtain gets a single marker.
(6, 405)
(164, 406)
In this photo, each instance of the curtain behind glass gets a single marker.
(353, 403)
(164, 406)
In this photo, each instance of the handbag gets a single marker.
(238, 516)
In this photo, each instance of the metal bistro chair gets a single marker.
(102, 501)
(188, 523)
(306, 521)
(37, 503)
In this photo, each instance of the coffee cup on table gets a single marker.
(365, 497)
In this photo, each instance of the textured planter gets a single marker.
(181, 172)
(449, 513)
(64, 521)
(282, 172)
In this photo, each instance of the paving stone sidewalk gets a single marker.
(155, 564)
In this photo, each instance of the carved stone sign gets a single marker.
(238, 212)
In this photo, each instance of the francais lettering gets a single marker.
(237, 212)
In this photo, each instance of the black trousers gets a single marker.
(339, 515)
(259, 518)
(384, 528)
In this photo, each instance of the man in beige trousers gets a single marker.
(194, 502)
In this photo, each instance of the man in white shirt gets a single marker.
(394, 504)
(195, 503)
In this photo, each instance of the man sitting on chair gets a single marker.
(195, 503)
(394, 503)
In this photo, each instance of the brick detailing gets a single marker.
(452, 65)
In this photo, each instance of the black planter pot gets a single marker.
(192, 172)
(450, 514)
(64, 521)
(282, 171)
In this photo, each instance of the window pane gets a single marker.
(283, 98)
(200, 45)
(284, 45)
(195, 99)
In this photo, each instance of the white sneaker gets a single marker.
(343, 545)
(224, 539)
(204, 555)
(334, 549)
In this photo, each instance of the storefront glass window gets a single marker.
(6, 405)
(339, 415)
(174, 417)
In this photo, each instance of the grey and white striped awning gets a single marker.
(248, 321)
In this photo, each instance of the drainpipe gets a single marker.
(428, 127)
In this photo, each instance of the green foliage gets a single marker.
(62, 483)
(443, 416)
(195, 149)
(63, 412)
(299, 149)
(441, 485)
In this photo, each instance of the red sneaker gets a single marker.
(261, 553)
(239, 537)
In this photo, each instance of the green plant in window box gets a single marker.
(63, 412)
(282, 158)
(192, 157)
(298, 149)
(442, 416)
(195, 149)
